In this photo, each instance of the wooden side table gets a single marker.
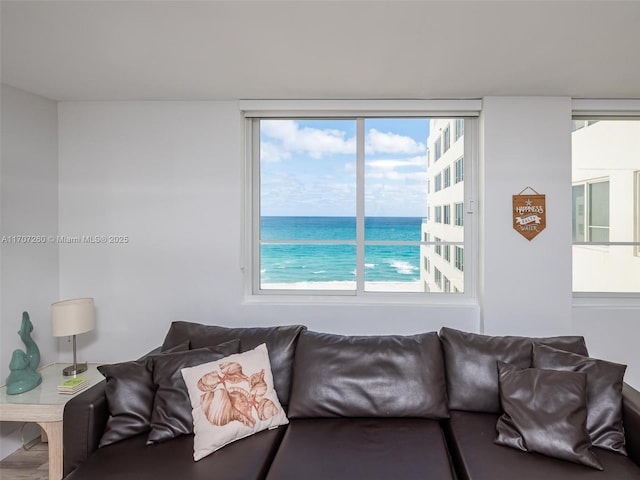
(45, 406)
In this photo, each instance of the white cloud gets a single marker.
(396, 200)
(380, 142)
(395, 171)
(403, 169)
(286, 136)
(292, 194)
(281, 138)
(270, 152)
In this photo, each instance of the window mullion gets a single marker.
(360, 205)
(255, 204)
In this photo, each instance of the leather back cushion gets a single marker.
(471, 364)
(130, 391)
(368, 376)
(171, 414)
(545, 411)
(604, 392)
(281, 343)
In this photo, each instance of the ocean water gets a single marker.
(297, 263)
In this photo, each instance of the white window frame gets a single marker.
(446, 139)
(459, 170)
(459, 214)
(459, 129)
(459, 258)
(438, 214)
(636, 215)
(254, 110)
(595, 109)
(438, 146)
(446, 214)
(446, 177)
(587, 184)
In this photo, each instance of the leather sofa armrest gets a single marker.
(631, 419)
(85, 417)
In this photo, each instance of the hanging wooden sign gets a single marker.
(529, 213)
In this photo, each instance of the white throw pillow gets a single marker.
(232, 398)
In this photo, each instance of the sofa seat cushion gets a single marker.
(132, 459)
(368, 376)
(351, 448)
(281, 343)
(471, 439)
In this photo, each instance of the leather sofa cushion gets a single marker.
(471, 364)
(368, 376)
(131, 459)
(130, 391)
(604, 392)
(361, 448)
(280, 340)
(545, 411)
(631, 420)
(471, 436)
(171, 415)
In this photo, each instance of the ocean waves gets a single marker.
(289, 263)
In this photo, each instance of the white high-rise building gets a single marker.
(442, 266)
(606, 205)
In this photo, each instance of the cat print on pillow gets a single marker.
(232, 398)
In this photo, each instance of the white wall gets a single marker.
(612, 333)
(28, 206)
(169, 175)
(526, 285)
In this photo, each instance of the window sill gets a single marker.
(409, 299)
(606, 300)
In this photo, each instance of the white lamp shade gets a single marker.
(72, 317)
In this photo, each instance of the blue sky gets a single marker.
(308, 167)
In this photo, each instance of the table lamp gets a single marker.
(70, 318)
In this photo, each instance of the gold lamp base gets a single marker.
(73, 370)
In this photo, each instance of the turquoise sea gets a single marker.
(294, 263)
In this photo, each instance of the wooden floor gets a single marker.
(24, 464)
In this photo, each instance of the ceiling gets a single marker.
(354, 49)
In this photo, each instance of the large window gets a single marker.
(338, 204)
(605, 205)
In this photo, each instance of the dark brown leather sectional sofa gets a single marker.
(380, 407)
